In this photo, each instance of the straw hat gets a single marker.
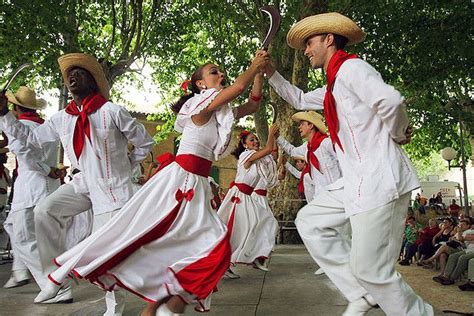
(4, 150)
(299, 158)
(333, 22)
(89, 63)
(312, 117)
(26, 98)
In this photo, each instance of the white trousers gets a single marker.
(367, 265)
(52, 216)
(20, 226)
(323, 226)
(376, 242)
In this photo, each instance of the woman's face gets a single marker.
(212, 77)
(251, 142)
(447, 224)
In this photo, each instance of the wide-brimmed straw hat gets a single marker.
(312, 117)
(89, 63)
(26, 98)
(332, 22)
(299, 158)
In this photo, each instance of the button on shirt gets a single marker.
(372, 119)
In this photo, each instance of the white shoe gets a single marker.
(319, 272)
(163, 310)
(55, 294)
(231, 274)
(260, 266)
(358, 307)
(115, 303)
(17, 279)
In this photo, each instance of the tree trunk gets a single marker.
(294, 66)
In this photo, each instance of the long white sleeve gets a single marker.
(295, 172)
(136, 134)
(312, 100)
(291, 150)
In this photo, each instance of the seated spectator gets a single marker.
(424, 242)
(469, 285)
(453, 245)
(453, 209)
(458, 262)
(412, 229)
(416, 204)
(423, 203)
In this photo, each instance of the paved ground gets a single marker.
(290, 288)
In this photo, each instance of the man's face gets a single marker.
(300, 164)
(80, 82)
(316, 50)
(305, 128)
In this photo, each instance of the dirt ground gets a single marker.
(442, 297)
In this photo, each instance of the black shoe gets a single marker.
(447, 282)
(468, 286)
(404, 263)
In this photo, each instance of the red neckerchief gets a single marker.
(330, 111)
(313, 144)
(90, 104)
(31, 116)
(300, 182)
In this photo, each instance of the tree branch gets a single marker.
(112, 40)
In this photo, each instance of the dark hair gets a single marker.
(410, 217)
(466, 220)
(240, 147)
(23, 109)
(449, 219)
(340, 41)
(197, 75)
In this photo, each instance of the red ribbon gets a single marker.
(188, 195)
(235, 199)
(90, 104)
(330, 111)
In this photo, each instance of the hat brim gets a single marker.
(321, 24)
(299, 158)
(302, 116)
(4, 150)
(89, 63)
(40, 103)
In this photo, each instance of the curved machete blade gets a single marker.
(275, 19)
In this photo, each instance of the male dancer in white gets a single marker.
(94, 133)
(37, 178)
(367, 122)
(323, 170)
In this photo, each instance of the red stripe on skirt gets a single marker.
(201, 277)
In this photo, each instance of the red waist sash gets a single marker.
(244, 188)
(261, 192)
(194, 164)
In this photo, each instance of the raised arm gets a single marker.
(254, 100)
(265, 150)
(291, 150)
(312, 100)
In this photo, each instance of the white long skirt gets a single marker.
(165, 241)
(251, 227)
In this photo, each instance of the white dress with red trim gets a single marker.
(166, 240)
(268, 179)
(250, 226)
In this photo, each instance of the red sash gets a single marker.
(244, 188)
(261, 192)
(194, 164)
(330, 111)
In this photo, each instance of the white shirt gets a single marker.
(469, 244)
(32, 183)
(372, 119)
(106, 167)
(307, 181)
(325, 178)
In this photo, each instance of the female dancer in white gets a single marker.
(252, 229)
(268, 168)
(167, 244)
